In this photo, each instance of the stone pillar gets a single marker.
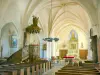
(53, 48)
(56, 49)
(48, 50)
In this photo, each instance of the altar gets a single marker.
(73, 45)
(69, 59)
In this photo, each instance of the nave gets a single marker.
(34, 34)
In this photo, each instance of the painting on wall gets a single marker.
(13, 41)
(44, 46)
(73, 39)
(73, 35)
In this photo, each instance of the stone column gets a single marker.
(56, 48)
(53, 48)
(48, 52)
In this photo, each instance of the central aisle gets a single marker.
(57, 66)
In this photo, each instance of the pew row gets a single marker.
(25, 69)
(78, 70)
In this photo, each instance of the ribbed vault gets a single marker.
(56, 14)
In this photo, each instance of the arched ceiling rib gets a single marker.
(68, 22)
(63, 13)
(68, 27)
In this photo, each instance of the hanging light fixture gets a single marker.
(56, 39)
(33, 28)
(50, 39)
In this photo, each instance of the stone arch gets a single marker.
(10, 24)
(9, 39)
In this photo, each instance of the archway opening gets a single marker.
(9, 40)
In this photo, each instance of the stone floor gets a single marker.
(56, 67)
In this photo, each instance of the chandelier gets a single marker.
(33, 28)
(51, 39)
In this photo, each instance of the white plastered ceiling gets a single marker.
(76, 13)
(58, 17)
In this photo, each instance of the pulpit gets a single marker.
(30, 53)
(33, 53)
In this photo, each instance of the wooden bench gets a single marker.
(25, 69)
(75, 70)
(66, 73)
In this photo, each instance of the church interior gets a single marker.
(49, 37)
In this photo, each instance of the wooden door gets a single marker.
(62, 53)
(83, 53)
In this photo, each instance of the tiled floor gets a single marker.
(56, 67)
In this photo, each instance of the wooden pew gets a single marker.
(66, 73)
(74, 70)
(24, 69)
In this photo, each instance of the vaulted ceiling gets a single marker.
(55, 16)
